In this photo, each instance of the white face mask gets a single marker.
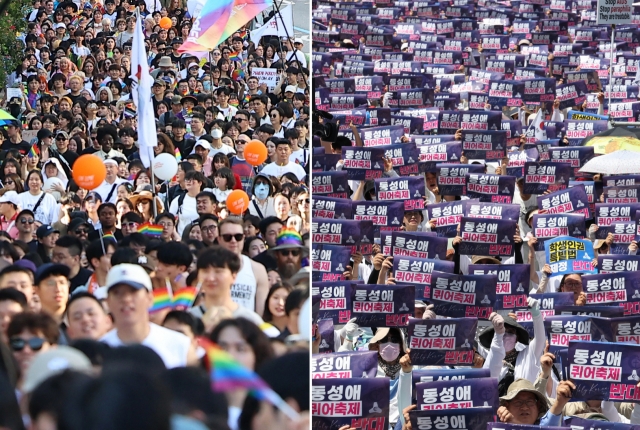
(509, 341)
(216, 133)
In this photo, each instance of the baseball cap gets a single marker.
(160, 82)
(297, 40)
(176, 100)
(290, 89)
(48, 269)
(63, 134)
(45, 230)
(75, 223)
(10, 197)
(43, 133)
(52, 362)
(203, 143)
(59, 25)
(132, 275)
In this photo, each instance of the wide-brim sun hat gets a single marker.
(522, 334)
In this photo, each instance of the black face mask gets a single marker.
(14, 110)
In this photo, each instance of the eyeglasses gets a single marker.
(82, 231)
(301, 201)
(18, 344)
(227, 237)
(573, 285)
(528, 403)
(24, 221)
(288, 252)
(209, 228)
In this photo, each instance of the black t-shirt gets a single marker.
(90, 150)
(129, 152)
(185, 145)
(23, 146)
(80, 279)
(66, 160)
(95, 234)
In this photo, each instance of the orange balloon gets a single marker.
(255, 152)
(237, 202)
(89, 171)
(165, 23)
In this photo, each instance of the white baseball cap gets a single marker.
(52, 362)
(129, 274)
(290, 89)
(10, 197)
(206, 145)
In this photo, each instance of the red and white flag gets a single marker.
(538, 126)
(141, 94)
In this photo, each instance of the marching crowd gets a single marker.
(109, 296)
(445, 127)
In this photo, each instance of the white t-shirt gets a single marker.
(47, 212)
(301, 155)
(171, 346)
(272, 169)
(225, 149)
(105, 189)
(221, 196)
(188, 212)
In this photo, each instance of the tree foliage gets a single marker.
(12, 23)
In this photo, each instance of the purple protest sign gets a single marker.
(444, 374)
(620, 180)
(578, 130)
(505, 93)
(490, 188)
(363, 163)
(573, 94)
(442, 342)
(339, 102)
(386, 216)
(514, 131)
(335, 300)
(414, 97)
(382, 305)
(452, 177)
(512, 284)
(449, 121)
(623, 234)
(539, 90)
(405, 157)
(550, 226)
(517, 160)
(480, 121)
(626, 329)
(487, 210)
(325, 162)
(330, 184)
(507, 426)
(592, 311)
(409, 189)
(625, 111)
(342, 365)
(379, 136)
(564, 328)
(546, 176)
(571, 200)
(417, 271)
(358, 402)
(604, 371)
(469, 419)
(341, 86)
(582, 424)
(486, 145)
(576, 157)
(458, 394)
(461, 296)
(327, 335)
(418, 245)
(609, 213)
(487, 237)
(624, 194)
(336, 232)
(329, 262)
(612, 288)
(431, 155)
(330, 207)
(447, 216)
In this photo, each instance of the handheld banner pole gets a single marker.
(611, 61)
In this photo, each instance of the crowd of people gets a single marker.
(448, 154)
(108, 295)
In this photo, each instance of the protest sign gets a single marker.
(447, 216)
(331, 207)
(573, 94)
(626, 329)
(382, 305)
(484, 144)
(457, 394)
(517, 160)
(417, 271)
(442, 341)
(487, 210)
(335, 300)
(548, 304)
(546, 176)
(569, 255)
(576, 423)
(622, 194)
(507, 426)
(549, 226)
(447, 374)
(578, 130)
(452, 177)
(460, 296)
(418, 245)
(468, 419)
(562, 329)
(617, 287)
(341, 232)
(342, 365)
(363, 163)
(591, 311)
(609, 213)
(620, 180)
(571, 200)
(487, 237)
(266, 76)
(359, 402)
(327, 335)
(404, 157)
(410, 189)
(330, 184)
(604, 371)
(386, 216)
(618, 12)
(512, 284)
(433, 154)
(329, 262)
(490, 188)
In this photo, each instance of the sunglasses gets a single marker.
(242, 141)
(35, 343)
(288, 252)
(82, 231)
(240, 119)
(9, 182)
(24, 221)
(300, 201)
(273, 116)
(227, 237)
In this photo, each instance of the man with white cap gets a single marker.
(129, 297)
(108, 190)
(202, 148)
(9, 207)
(296, 54)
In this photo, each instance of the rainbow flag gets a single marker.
(227, 374)
(235, 56)
(178, 155)
(150, 229)
(33, 151)
(217, 22)
(109, 236)
(244, 34)
(237, 74)
(161, 300)
(184, 297)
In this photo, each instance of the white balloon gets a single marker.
(165, 166)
